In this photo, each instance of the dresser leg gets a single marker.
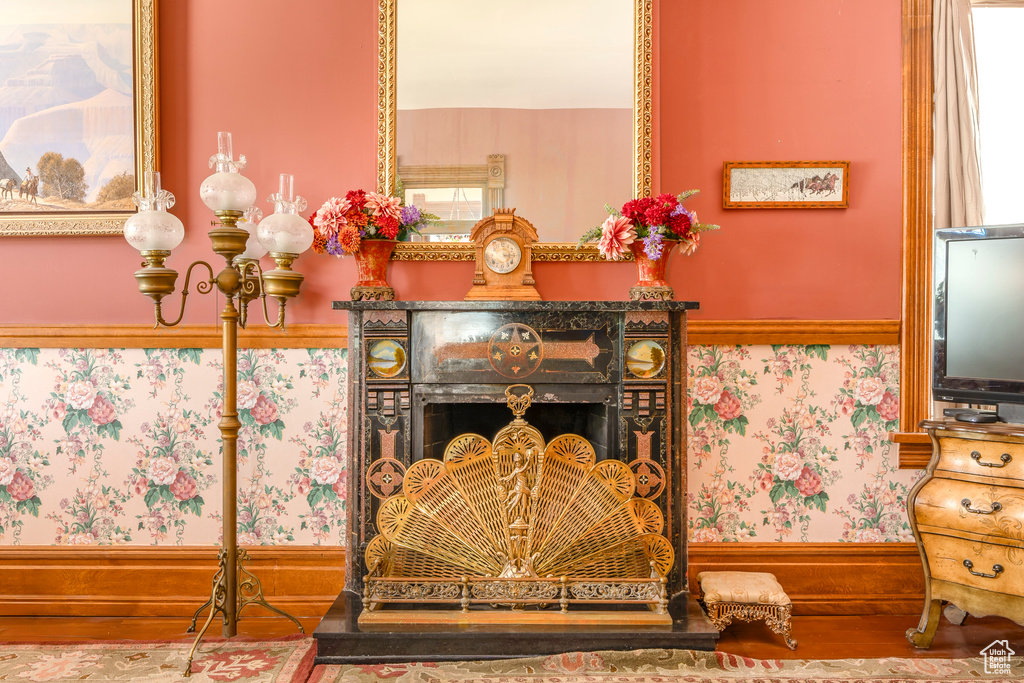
(924, 633)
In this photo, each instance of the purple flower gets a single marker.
(682, 209)
(410, 215)
(333, 247)
(653, 245)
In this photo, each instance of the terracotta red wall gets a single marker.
(748, 80)
(740, 80)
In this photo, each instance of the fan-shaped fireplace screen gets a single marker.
(501, 528)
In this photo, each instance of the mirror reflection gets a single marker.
(525, 104)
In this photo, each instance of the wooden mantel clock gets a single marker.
(504, 253)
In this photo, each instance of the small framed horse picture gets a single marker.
(786, 185)
(81, 125)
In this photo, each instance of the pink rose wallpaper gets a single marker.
(121, 446)
(801, 452)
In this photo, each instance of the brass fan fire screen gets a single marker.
(515, 523)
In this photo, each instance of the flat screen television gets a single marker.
(978, 340)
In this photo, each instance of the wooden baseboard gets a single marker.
(821, 578)
(157, 582)
(826, 578)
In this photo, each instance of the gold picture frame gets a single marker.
(786, 185)
(387, 158)
(146, 148)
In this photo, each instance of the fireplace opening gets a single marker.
(442, 418)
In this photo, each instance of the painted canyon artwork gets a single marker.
(66, 109)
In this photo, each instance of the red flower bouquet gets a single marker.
(655, 220)
(341, 224)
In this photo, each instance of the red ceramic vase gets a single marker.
(651, 284)
(372, 260)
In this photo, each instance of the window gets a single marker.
(999, 52)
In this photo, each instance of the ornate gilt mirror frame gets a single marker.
(387, 157)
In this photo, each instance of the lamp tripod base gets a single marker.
(250, 592)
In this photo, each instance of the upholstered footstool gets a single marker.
(748, 596)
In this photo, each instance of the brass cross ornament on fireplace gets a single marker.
(516, 523)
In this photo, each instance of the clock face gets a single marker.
(502, 255)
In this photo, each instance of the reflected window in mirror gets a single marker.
(459, 195)
(547, 82)
(458, 209)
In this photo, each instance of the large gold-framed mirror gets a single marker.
(474, 185)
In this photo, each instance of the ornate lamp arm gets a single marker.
(203, 287)
(282, 300)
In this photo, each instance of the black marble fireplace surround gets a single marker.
(422, 373)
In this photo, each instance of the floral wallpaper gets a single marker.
(121, 446)
(112, 446)
(789, 443)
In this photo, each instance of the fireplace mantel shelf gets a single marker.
(547, 306)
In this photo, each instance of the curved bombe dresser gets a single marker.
(967, 514)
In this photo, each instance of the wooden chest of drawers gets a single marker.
(967, 514)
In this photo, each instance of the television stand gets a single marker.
(965, 514)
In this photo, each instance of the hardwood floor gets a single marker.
(872, 636)
(818, 637)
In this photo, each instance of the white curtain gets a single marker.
(958, 199)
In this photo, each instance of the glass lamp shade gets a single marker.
(250, 221)
(227, 189)
(286, 233)
(154, 230)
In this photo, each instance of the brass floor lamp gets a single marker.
(241, 242)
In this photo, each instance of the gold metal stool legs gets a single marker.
(250, 592)
(777, 617)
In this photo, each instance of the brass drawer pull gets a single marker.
(1004, 460)
(997, 569)
(996, 507)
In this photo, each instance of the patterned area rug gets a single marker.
(662, 666)
(223, 661)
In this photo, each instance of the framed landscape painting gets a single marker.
(78, 114)
(786, 185)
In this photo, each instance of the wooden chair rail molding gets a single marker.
(915, 449)
(298, 336)
(700, 332)
(752, 332)
(822, 578)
